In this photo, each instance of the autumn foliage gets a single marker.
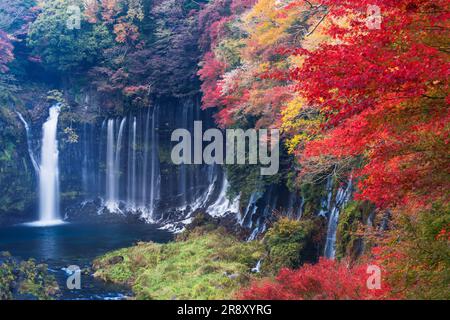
(357, 87)
(6, 54)
(384, 93)
(326, 280)
(342, 89)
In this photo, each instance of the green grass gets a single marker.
(208, 266)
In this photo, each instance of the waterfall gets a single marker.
(300, 208)
(326, 201)
(155, 178)
(223, 205)
(117, 160)
(30, 149)
(111, 201)
(342, 197)
(49, 172)
(131, 182)
(251, 209)
(113, 152)
(182, 187)
(261, 221)
(139, 165)
(101, 183)
(144, 170)
(257, 268)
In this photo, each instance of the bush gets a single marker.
(285, 243)
(326, 280)
(25, 279)
(417, 253)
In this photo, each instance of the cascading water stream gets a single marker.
(118, 159)
(247, 218)
(30, 149)
(342, 197)
(223, 205)
(49, 172)
(113, 160)
(111, 203)
(132, 177)
(182, 169)
(154, 168)
(145, 167)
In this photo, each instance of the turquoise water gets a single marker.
(77, 244)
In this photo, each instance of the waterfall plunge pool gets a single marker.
(60, 246)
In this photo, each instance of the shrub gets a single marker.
(19, 279)
(417, 253)
(326, 280)
(285, 243)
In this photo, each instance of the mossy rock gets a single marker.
(348, 241)
(287, 243)
(25, 279)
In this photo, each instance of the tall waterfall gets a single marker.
(49, 171)
(111, 201)
(117, 160)
(183, 180)
(155, 179)
(131, 199)
(113, 160)
(145, 167)
(150, 176)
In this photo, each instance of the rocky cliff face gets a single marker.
(117, 167)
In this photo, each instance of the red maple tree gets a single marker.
(384, 93)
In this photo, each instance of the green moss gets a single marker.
(351, 218)
(207, 266)
(285, 243)
(25, 278)
(312, 194)
(15, 166)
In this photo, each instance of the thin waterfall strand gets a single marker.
(30, 149)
